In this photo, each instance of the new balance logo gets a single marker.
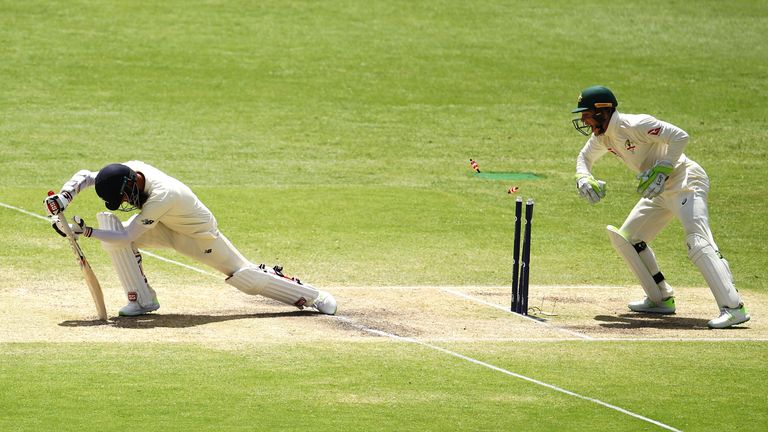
(654, 131)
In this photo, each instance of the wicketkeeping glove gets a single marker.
(652, 180)
(590, 189)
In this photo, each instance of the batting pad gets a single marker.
(127, 263)
(649, 259)
(715, 270)
(254, 280)
(635, 263)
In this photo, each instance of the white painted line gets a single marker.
(543, 323)
(506, 372)
(24, 211)
(579, 335)
(180, 264)
(153, 255)
(434, 347)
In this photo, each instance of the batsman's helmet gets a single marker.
(594, 98)
(112, 183)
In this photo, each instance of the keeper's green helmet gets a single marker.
(594, 98)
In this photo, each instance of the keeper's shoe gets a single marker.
(325, 303)
(645, 305)
(729, 317)
(133, 308)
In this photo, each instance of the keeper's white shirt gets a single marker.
(640, 141)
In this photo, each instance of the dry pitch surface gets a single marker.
(215, 314)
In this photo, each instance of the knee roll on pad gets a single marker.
(698, 245)
(265, 282)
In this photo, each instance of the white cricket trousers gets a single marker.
(217, 252)
(685, 198)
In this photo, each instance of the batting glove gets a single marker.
(590, 189)
(78, 228)
(56, 204)
(652, 180)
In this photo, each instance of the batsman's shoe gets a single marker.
(135, 309)
(325, 303)
(666, 306)
(729, 317)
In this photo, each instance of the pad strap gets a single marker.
(658, 278)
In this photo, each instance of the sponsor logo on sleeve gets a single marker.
(147, 221)
(654, 131)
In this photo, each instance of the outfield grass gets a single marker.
(365, 116)
(301, 387)
(334, 137)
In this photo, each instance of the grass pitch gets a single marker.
(334, 138)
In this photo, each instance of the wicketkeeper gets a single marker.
(671, 185)
(170, 216)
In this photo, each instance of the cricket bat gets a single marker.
(85, 266)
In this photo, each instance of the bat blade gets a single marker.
(90, 277)
(95, 288)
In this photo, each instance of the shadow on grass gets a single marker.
(149, 321)
(640, 320)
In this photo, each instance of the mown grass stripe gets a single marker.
(507, 372)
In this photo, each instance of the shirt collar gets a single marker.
(612, 124)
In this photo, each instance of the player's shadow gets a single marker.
(149, 321)
(656, 321)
